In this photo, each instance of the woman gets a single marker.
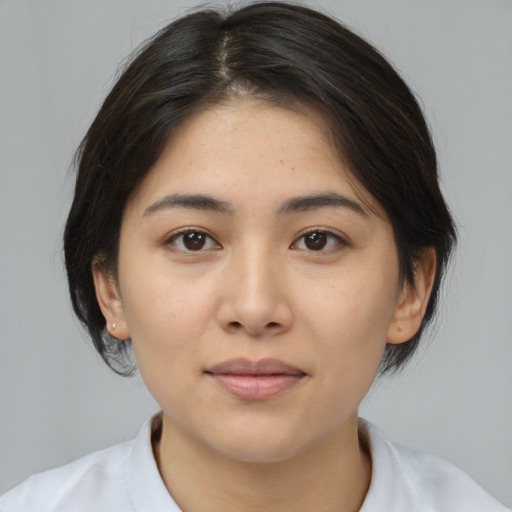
(257, 214)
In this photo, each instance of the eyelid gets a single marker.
(341, 239)
(169, 239)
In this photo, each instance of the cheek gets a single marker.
(357, 311)
(159, 298)
(167, 317)
(167, 321)
(349, 319)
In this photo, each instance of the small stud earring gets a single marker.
(114, 325)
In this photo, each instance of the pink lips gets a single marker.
(259, 380)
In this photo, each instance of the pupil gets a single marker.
(316, 241)
(194, 241)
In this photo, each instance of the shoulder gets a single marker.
(124, 478)
(410, 481)
(96, 478)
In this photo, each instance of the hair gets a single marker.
(286, 54)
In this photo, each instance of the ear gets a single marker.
(109, 300)
(413, 300)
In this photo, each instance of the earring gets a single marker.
(114, 325)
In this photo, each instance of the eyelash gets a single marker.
(171, 240)
(329, 235)
(340, 242)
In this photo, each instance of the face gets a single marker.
(257, 286)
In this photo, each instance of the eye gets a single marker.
(192, 240)
(318, 240)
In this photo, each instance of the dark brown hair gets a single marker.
(283, 53)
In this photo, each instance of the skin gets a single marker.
(257, 290)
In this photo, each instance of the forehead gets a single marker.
(252, 149)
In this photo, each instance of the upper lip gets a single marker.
(243, 366)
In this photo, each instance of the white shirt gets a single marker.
(125, 478)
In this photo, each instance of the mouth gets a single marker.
(255, 380)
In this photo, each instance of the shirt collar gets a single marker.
(389, 484)
(148, 493)
(146, 489)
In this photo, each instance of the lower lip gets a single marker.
(256, 387)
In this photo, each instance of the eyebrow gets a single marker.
(189, 201)
(323, 200)
(293, 205)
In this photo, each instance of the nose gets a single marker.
(255, 301)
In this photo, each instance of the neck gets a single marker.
(334, 475)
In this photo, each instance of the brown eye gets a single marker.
(315, 241)
(192, 241)
(318, 241)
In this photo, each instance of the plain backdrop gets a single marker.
(58, 58)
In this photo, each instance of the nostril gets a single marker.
(239, 326)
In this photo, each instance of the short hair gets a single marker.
(285, 54)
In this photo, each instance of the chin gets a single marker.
(260, 444)
(260, 453)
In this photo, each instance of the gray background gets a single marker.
(57, 61)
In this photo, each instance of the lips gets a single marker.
(255, 380)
